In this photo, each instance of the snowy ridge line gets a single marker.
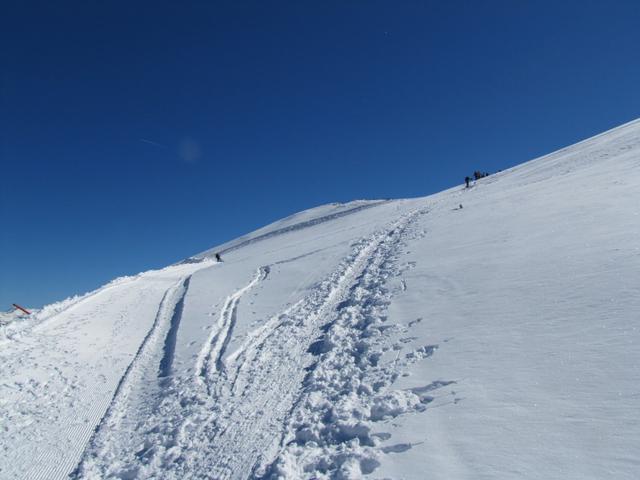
(268, 375)
(49, 313)
(283, 230)
(594, 140)
(210, 358)
(43, 316)
(580, 155)
(98, 442)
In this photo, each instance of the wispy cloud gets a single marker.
(155, 144)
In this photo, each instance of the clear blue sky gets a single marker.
(134, 134)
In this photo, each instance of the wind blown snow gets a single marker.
(402, 339)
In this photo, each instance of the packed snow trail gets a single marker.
(71, 365)
(143, 364)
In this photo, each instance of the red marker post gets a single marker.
(23, 309)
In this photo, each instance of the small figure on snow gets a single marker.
(467, 180)
(218, 257)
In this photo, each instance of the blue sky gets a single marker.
(134, 134)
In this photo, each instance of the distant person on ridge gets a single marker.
(218, 257)
(467, 180)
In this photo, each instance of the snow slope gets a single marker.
(395, 339)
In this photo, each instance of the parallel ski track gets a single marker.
(241, 418)
(171, 337)
(159, 331)
(210, 358)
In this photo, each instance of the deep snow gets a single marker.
(390, 339)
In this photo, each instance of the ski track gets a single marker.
(346, 390)
(241, 417)
(170, 339)
(210, 359)
(167, 318)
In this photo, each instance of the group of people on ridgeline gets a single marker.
(477, 175)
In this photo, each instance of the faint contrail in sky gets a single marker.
(156, 144)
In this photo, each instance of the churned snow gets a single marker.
(401, 339)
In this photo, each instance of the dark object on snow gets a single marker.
(478, 174)
(460, 206)
(18, 307)
(218, 257)
(467, 180)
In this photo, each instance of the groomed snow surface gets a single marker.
(482, 333)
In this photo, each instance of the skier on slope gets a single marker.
(218, 257)
(467, 180)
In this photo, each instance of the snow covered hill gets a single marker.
(482, 333)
